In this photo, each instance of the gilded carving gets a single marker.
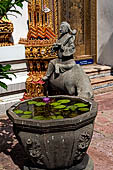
(6, 29)
(45, 17)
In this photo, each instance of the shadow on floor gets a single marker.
(9, 145)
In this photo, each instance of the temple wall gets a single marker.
(105, 32)
(20, 24)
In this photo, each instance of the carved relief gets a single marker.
(83, 143)
(34, 150)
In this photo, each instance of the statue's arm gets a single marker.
(69, 48)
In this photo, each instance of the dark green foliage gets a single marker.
(7, 7)
(4, 74)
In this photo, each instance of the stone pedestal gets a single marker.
(85, 164)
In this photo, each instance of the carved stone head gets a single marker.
(65, 28)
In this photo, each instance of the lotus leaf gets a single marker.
(39, 118)
(32, 102)
(27, 112)
(73, 108)
(53, 117)
(83, 109)
(60, 107)
(55, 104)
(59, 117)
(57, 113)
(80, 105)
(26, 116)
(18, 111)
(64, 101)
(40, 104)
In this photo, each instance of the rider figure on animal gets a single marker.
(65, 49)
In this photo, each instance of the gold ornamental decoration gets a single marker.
(45, 17)
(42, 34)
(6, 29)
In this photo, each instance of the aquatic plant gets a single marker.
(51, 109)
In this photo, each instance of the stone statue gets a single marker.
(65, 48)
(63, 74)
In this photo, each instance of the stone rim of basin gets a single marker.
(51, 125)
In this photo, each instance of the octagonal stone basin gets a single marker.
(56, 144)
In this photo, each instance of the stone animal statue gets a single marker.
(72, 82)
(63, 74)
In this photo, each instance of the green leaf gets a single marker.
(19, 4)
(39, 117)
(6, 68)
(18, 111)
(80, 105)
(26, 116)
(3, 85)
(32, 102)
(63, 101)
(83, 109)
(55, 104)
(60, 107)
(53, 117)
(73, 108)
(60, 117)
(57, 113)
(27, 112)
(40, 104)
(4, 75)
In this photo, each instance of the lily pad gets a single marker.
(40, 104)
(80, 105)
(55, 104)
(18, 111)
(60, 107)
(32, 102)
(27, 112)
(26, 116)
(73, 108)
(39, 118)
(57, 113)
(59, 117)
(53, 117)
(63, 101)
(83, 109)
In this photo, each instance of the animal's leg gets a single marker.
(71, 90)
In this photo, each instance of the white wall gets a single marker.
(20, 23)
(105, 32)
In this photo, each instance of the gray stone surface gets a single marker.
(105, 32)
